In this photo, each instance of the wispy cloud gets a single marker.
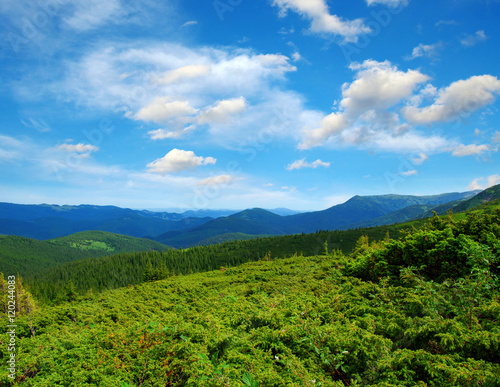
(425, 50)
(389, 3)
(413, 172)
(470, 150)
(420, 159)
(179, 89)
(450, 22)
(189, 23)
(11, 148)
(472, 40)
(219, 180)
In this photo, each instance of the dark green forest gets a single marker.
(25, 256)
(420, 308)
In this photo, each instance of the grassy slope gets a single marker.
(293, 322)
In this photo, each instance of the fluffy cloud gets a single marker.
(83, 150)
(299, 164)
(472, 40)
(362, 116)
(490, 181)
(378, 85)
(221, 113)
(470, 150)
(321, 19)
(389, 3)
(162, 109)
(331, 125)
(459, 99)
(178, 160)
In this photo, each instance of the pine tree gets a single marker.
(71, 292)
(150, 274)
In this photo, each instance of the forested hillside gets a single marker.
(119, 270)
(422, 310)
(26, 256)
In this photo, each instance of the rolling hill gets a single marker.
(25, 256)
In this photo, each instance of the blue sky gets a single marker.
(238, 104)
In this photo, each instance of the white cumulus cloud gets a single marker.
(222, 112)
(83, 150)
(459, 99)
(162, 109)
(299, 164)
(178, 160)
(362, 115)
(482, 183)
(322, 21)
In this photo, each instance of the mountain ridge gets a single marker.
(340, 217)
(50, 221)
